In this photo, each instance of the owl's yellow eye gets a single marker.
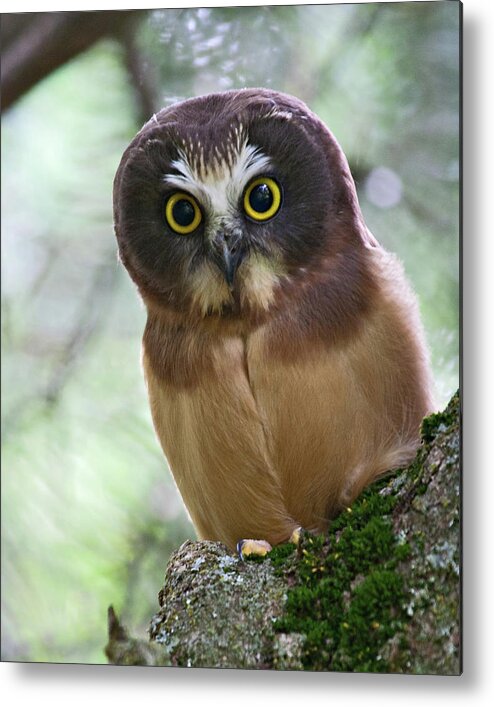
(182, 212)
(262, 199)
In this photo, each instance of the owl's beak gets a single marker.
(228, 254)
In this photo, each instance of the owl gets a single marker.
(283, 352)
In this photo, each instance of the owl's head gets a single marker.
(225, 203)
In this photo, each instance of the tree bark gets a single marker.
(379, 593)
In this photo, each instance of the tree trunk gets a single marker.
(380, 592)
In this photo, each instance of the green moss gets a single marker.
(374, 616)
(280, 553)
(441, 421)
(347, 598)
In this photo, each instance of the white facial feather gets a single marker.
(218, 185)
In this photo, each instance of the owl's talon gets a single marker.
(295, 536)
(245, 548)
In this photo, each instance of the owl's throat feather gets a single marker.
(250, 288)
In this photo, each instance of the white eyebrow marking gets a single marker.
(218, 185)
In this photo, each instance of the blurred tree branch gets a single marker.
(35, 44)
(89, 318)
(87, 322)
(143, 82)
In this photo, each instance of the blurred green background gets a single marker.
(89, 510)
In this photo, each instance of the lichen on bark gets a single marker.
(380, 592)
(225, 607)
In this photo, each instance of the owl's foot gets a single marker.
(260, 548)
(295, 536)
(252, 547)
